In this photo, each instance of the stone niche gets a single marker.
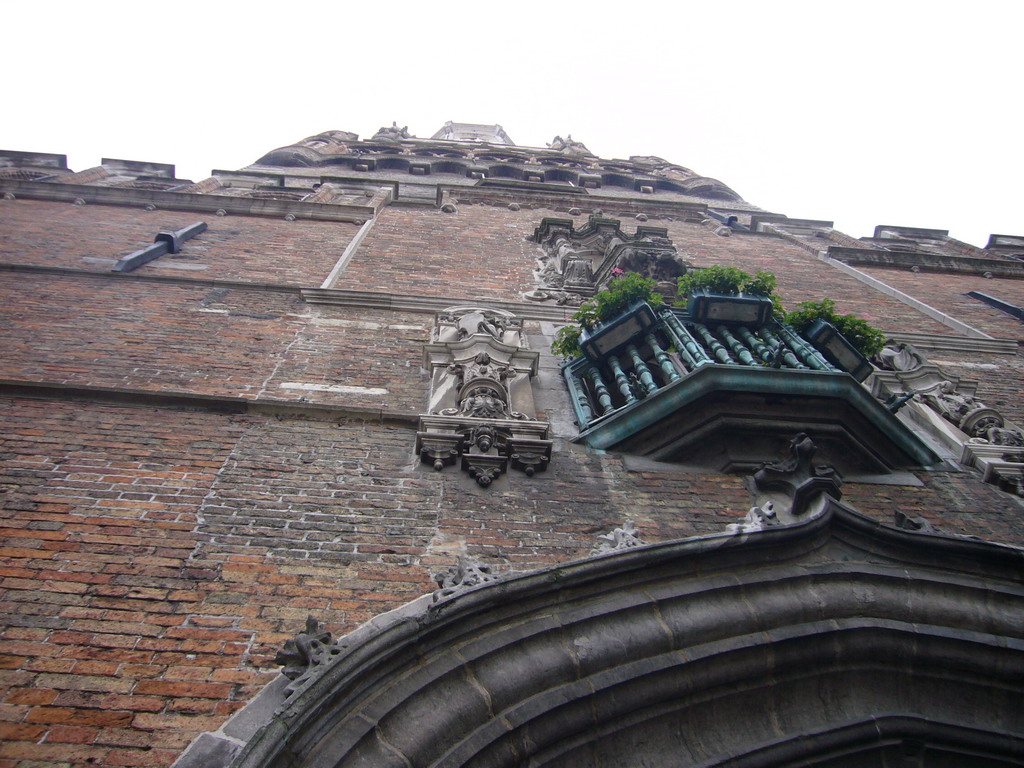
(481, 413)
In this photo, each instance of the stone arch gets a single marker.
(836, 641)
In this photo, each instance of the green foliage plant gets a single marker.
(719, 279)
(623, 291)
(867, 339)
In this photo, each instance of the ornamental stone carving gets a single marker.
(568, 146)
(948, 407)
(579, 262)
(757, 519)
(798, 478)
(304, 656)
(621, 538)
(391, 133)
(467, 572)
(481, 411)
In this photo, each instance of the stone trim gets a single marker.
(184, 201)
(216, 403)
(149, 278)
(562, 200)
(928, 262)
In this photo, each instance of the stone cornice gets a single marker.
(186, 201)
(214, 403)
(543, 197)
(928, 262)
(430, 304)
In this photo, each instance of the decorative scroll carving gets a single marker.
(481, 396)
(579, 262)
(796, 476)
(304, 655)
(467, 572)
(621, 538)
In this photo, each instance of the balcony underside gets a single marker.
(730, 418)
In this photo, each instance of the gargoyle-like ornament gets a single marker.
(467, 572)
(304, 655)
(579, 262)
(481, 397)
(621, 538)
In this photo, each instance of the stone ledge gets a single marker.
(196, 402)
(927, 262)
(143, 277)
(430, 304)
(186, 201)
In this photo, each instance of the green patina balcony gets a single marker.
(659, 384)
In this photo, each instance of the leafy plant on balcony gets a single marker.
(624, 290)
(729, 280)
(865, 337)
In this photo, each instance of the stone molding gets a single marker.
(552, 664)
(184, 201)
(193, 401)
(928, 262)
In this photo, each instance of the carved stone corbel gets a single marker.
(481, 398)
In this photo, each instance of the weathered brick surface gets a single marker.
(154, 559)
(480, 253)
(211, 341)
(954, 502)
(948, 293)
(249, 248)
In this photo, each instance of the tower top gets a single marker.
(490, 134)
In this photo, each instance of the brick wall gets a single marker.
(249, 248)
(155, 557)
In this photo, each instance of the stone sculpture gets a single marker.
(620, 538)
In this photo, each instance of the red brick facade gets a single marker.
(197, 455)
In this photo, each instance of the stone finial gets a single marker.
(303, 656)
(797, 477)
(620, 538)
(467, 572)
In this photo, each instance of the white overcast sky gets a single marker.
(863, 113)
